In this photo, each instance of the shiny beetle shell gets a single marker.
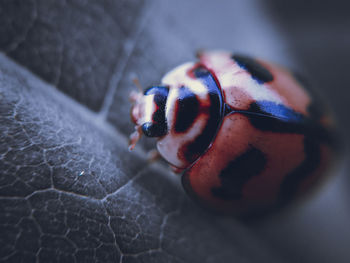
(246, 134)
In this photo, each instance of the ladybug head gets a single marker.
(148, 112)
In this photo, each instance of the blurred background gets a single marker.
(91, 51)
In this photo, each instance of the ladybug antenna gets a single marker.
(137, 84)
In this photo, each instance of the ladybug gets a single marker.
(246, 134)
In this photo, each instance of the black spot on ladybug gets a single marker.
(269, 116)
(294, 179)
(195, 148)
(238, 172)
(275, 110)
(258, 71)
(158, 126)
(186, 110)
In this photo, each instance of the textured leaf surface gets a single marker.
(76, 45)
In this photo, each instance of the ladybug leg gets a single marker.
(175, 169)
(135, 137)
